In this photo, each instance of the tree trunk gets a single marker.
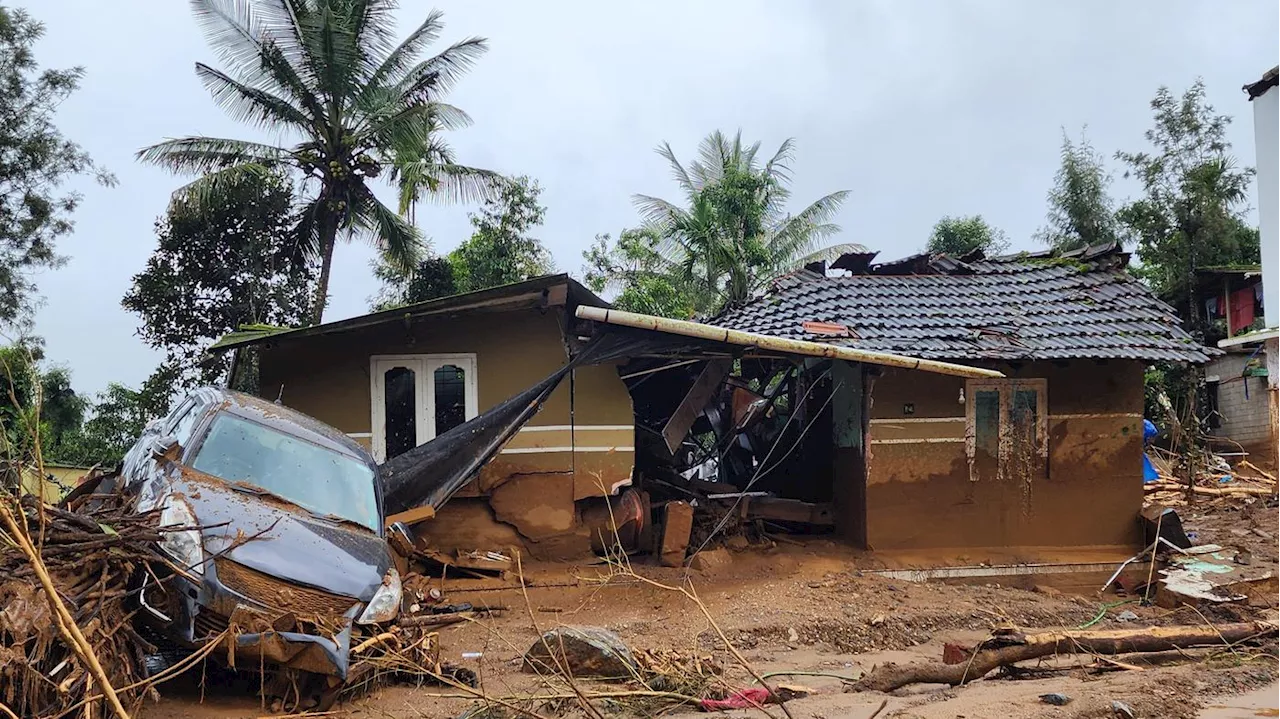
(887, 677)
(328, 239)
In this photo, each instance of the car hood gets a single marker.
(287, 542)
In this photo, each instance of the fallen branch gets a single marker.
(1021, 647)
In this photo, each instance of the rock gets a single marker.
(792, 635)
(737, 543)
(1057, 699)
(711, 559)
(1120, 709)
(583, 652)
(1126, 616)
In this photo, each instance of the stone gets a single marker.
(676, 526)
(1120, 709)
(1057, 699)
(583, 652)
(1126, 616)
(737, 543)
(711, 559)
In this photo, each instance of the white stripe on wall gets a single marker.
(917, 420)
(920, 440)
(536, 450)
(360, 435)
(1104, 415)
(577, 428)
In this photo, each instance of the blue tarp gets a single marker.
(1149, 433)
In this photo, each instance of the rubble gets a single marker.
(93, 551)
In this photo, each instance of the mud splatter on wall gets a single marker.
(1050, 459)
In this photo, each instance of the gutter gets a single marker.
(806, 348)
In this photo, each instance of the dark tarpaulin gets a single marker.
(431, 473)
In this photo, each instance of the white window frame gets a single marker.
(424, 367)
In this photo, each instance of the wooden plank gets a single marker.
(703, 389)
(780, 509)
(412, 516)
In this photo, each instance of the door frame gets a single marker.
(422, 365)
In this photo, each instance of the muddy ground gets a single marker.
(802, 608)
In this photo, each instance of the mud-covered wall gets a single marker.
(921, 492)
(533, 483)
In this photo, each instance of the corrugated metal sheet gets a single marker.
(1018, 307)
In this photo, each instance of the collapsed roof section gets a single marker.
(1028, 306)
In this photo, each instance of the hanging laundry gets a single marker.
(1241, 307)
(1211, 308)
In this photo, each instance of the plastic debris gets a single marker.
(1120, 709)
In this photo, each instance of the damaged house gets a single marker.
(973, 409)
(397, 379)
(1046, 458)
(505, 417)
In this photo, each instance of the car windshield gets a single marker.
(320, 480)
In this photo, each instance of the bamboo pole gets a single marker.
(776, 344)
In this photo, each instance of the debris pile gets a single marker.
(1215, 478)
(91, 550)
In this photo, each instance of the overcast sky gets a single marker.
(920, 109)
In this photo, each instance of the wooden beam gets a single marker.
(703, 389)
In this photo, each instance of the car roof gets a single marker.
(289, 421)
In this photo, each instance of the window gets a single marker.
(449, 393)
(1005, 430)
(418, 397)
(184, 422)
(399, 406)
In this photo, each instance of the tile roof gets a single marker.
(1019, 307)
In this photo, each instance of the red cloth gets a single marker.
(1241, 309)
(752, 698)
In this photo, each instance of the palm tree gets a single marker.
(329, 75)
(735, 235)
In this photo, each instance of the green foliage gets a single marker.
(1081, 212)
(956, 236)
(35, 161)
(328, 74)
(733, 233)
(500, 251)
(1191, 213)
(633, 268)
(62, 411)
(116, 418)
(431, 279)
(217, 267)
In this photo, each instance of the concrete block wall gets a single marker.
(1243, 420)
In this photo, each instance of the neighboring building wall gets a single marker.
(921, 492)
(1246, 420)
(1266, 133)
(533, 483)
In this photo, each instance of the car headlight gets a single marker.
(184, 545)
(385, 604)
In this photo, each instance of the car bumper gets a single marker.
(206, 610)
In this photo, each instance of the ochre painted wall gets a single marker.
(328, 378)
(919, 493)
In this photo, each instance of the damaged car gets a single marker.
(274, 525)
